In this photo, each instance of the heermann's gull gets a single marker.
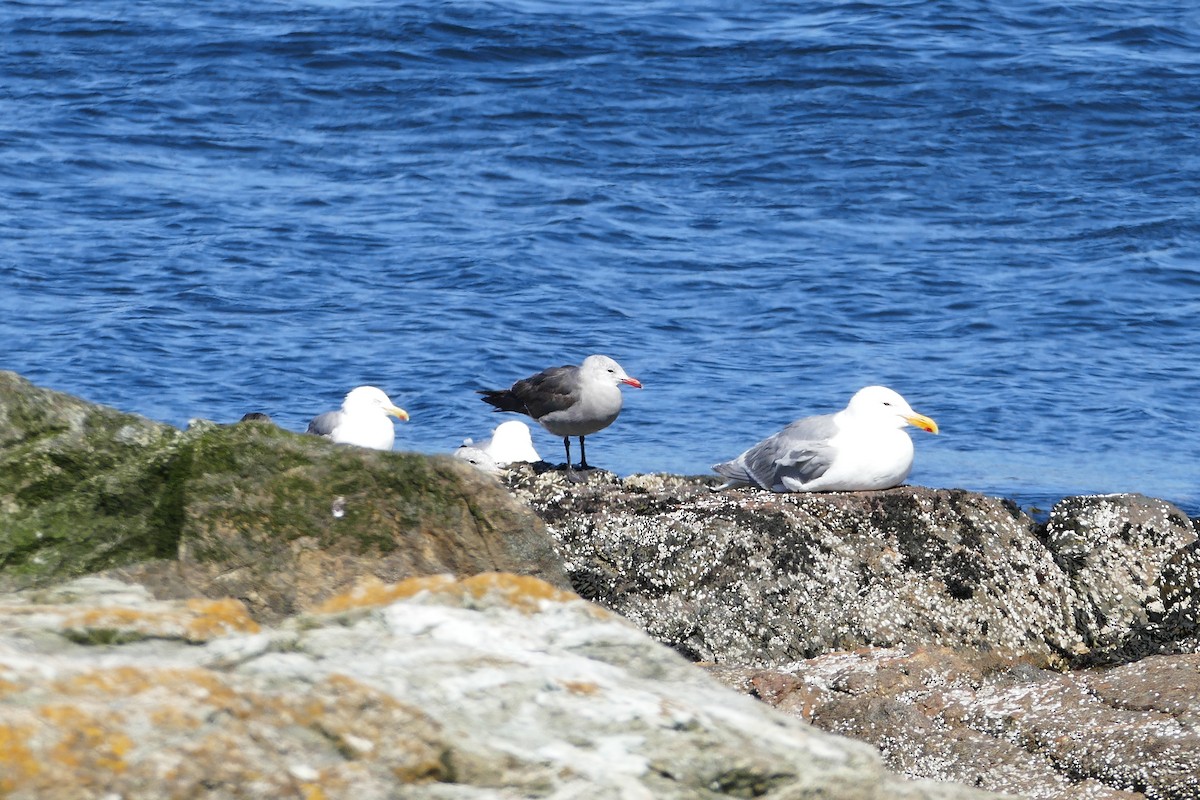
(363, 420)
(861, 447)
(568, 401)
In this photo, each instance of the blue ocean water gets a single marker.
(990, 205)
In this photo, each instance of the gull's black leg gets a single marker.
(572, 476)
(582, 455)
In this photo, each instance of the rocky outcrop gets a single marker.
(281, 521)
(278, 520)
(497, 686)
(271, 615)
(759, 579)
(940, 626)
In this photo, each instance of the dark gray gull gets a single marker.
(568, 401)
(362, 420)
(862, 447)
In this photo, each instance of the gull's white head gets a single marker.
(883, 406)
(369, 399)
(604, 368)
(479, 458)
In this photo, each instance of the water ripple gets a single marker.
(210, 209)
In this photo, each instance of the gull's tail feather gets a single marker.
(503, 400)
(735, 474)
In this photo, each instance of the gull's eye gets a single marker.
(886, 403)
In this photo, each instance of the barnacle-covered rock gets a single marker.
(754, 578)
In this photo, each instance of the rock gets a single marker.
(283, 521)
(754, 578)
(1125, 557)
(82, 487)
(921, 621)
(103, 611)
(497, 686)
(1176, 626)
(1101, 734)
(279, 520)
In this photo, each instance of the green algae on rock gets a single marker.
(283, 521)
(82, 487)
(278, 519)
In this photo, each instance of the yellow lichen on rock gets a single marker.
(89, 741)
(18, 763)
(212, 619)
(312, 791)
(195, 620)
(178, 731)
(371, 592)
(583, 688)
(522, 592)
(128, 681)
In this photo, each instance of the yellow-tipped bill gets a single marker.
(923, 422)
(400, 413)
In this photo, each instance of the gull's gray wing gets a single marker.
(323, 424)
(800, 451)
(554, 389)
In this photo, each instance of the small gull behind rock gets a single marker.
(510, 443)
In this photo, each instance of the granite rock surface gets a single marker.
(493, 686)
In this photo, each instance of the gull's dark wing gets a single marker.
(554, 389)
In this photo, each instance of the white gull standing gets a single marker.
(362, 420)
(862, 447)
(568, 401)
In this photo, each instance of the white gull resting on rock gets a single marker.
(863, 446)
(568, 401)
(476, 457)
(363, 420)
(510, 443)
